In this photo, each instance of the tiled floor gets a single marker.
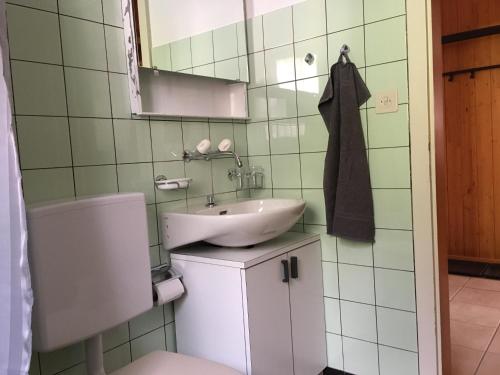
(475, 321)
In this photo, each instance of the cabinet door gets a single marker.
(269, 319)
(307, 311)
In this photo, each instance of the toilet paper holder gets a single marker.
(164, 272)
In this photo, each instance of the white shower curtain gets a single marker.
(16, 297)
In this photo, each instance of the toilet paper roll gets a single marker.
(167, 291)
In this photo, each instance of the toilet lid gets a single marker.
(161, 363)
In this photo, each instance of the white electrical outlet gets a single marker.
(386, 101)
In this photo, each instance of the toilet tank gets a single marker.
(90, 270)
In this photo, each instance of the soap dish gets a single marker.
(162, 183)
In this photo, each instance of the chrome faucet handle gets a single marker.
(210, 200)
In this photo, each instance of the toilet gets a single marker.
(90, 270)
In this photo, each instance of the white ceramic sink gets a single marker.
(237, 224)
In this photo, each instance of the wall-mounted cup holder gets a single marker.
(309, 59)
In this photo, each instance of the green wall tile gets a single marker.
(358, 321)
(193, 133)
(50, 5)
(395, 361)
(38, 89)
(356, 349)
(242, 38)
(332, 315)
(390, 167)
(335, 351)
(115, 48)
(388, 77)
(161, 57)
(386, 41)
(280, 65)
(225, 42)
(392, 208)
(33, 35)
(315, 206)
(379, 9)
(395, 289)
(257, 70)
(221, 181)
(170, 338)
(283, 101)
(115, 336)
(240, 139)
(393, 249)
(313, 136)
(265, 163)
(80, 369)
(117, 358)
(90, 9)
(148, 343)
(113, 12)
(87, 92)
(202, 49)
(397, 328)
(228, 69)
(330, 279)
(133, 141)
(61, 359)
(220, 131)
(255, 35)
(205, 70)
(180, 51)
(309, 92)
(137, 178)
(354, 252)
(258, 138)
(34, 365)
(284, 137)
(41, 185)
(83, 43)
(147, 322)
(95, 180)
(43, 142)
(244, 72)
(328, 243)
(120, 98)
(356, 283)
(201, 173)
(278, 29)
(166, 137)
(312, 166)
(354, 38)
(286, 171)
(257, 104)
(343, 14)
(171, 170)
(153, 223)
(309, 19)
(317, 47)
(388, 129)
(92, 141)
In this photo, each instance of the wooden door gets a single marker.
(269, 319)
(472, 132)
(307, 310)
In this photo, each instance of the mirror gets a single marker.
(199, 37)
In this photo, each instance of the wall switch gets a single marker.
(386, 101)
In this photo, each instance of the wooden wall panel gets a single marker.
(472, 132)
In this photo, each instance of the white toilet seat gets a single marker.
(162, 363)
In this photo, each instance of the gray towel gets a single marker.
(346, 181)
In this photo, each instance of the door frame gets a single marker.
(428, 184)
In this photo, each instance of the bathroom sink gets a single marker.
(237, 224)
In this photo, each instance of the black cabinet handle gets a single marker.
(286, 277)
(294, 267)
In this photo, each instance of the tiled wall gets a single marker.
(76, 137)
(369, 290)
(219, 53)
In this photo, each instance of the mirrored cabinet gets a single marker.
(187, 58)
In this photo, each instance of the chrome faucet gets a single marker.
(195, 155)
(210, 200)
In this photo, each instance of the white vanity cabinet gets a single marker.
(258, 310)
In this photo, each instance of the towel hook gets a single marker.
(344, 49)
